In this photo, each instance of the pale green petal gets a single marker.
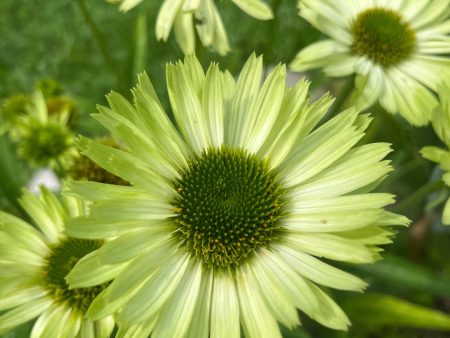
(124, 165)
(140, 330)
(93, 191)
(224, 307)
(104, 327)
(331, 221)
(331, 247)
(368, 88)
(132, 208)
(186, 105)
(256, 320)
(184, 32)
(23, 313)
(156, 291)
(54, 208)
(142, 268)
(434, 154)
(16, 270)
(194, 72)
(13, 299)
(93, 228)
(10, 252)
(129, 246)
(200, 324)
(37, 210)
(275, 295)
(356, 169)
(318, 55)
(87, 329)
(213, 114)
(329, 313)
(129, 4)
(52, 323)
(340, 203)
(122, 107)
(390, 219)
(446, 213)
(190, 5)
(177, 313)
(265, 110)
(220, 39)
(228, 89)
(75, 207)
(205, 22)
(237, 117)
(72, 327)
(258, 9)
(370, 235)
(317, 271)
(90, 271)
(23, 233)
(166, 16)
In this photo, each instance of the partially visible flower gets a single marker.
(49, 87)
(84, 169)
(203, 14)
(33, 265)
(441, 125)
(57, 105)
(393, 47)
(226, 220)
(45, 140)
(11, 110)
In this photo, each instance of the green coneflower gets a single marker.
(185, 16)
(11, 111)
(45, 140)
(224, 223)
(49, 87)
(393, 46)
(33, 264)
(84, 169)
(441, 125)
(56, 105)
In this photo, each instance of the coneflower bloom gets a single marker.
(226, 220)
(396, 48)
(33, 264)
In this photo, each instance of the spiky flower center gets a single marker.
(44, 142)
(228, 205)
(59, 263)
(382, 35)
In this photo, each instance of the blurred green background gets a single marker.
(91, 49)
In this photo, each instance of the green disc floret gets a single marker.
(44, 142)
(228, 206)
(60, 262)
(382, 35)
(14, 107)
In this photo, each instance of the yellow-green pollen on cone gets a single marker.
(59, 263)
(228, 206)
(383, 36)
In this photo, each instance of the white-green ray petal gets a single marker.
(166, 16)
(318, 271)
(369, 235)
(331, 247)
(184, 32)
(13, 299)
(256, 320)
(224, 307)
(213, 109)
(140, 330)
(104, 327)
(82, 275)
(176, 314)
(255, 8)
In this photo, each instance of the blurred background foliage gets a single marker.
(91, 49)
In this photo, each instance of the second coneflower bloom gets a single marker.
(226, 222)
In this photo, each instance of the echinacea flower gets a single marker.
(186, 15)
(33, 264)
(45, 139)
(10, 112)
(441, 125)
(395, 47)
(224, 223)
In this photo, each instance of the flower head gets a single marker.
(34, 264)
(57, 105)
(202, 15)
(44, 139)
(392, 46)
(49, 87)
(223, 225)
(441, 125)
(11, 111)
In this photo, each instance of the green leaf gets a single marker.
(401, 272)
(377, 309)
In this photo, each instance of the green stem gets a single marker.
(101, 44)
(343, 94)
(418, 196)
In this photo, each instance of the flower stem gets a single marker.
(418, 196)
(343, 94)
(103, 49)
